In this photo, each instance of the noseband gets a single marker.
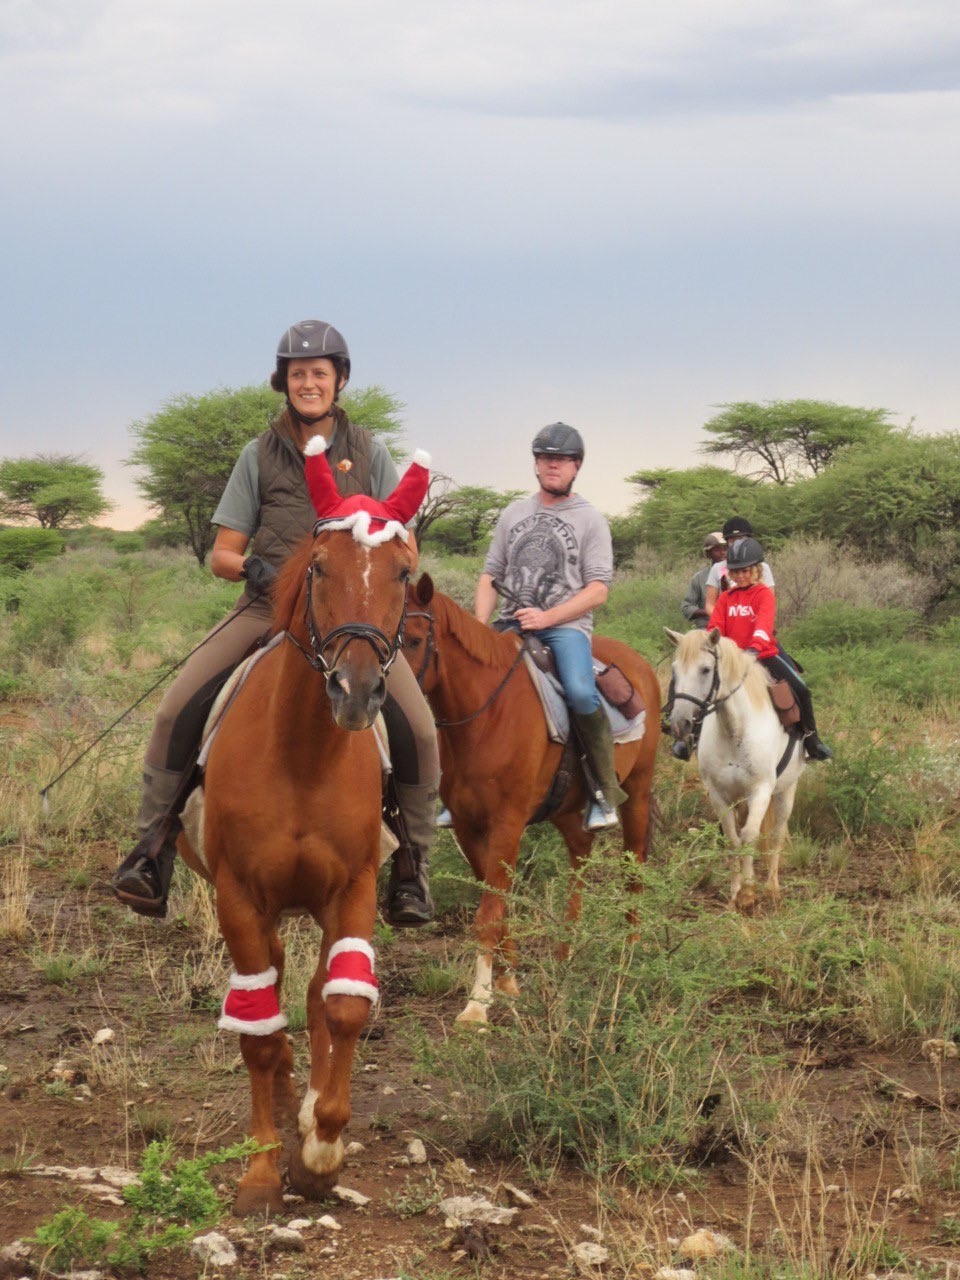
(384, 648)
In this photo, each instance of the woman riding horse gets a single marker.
(264, 513)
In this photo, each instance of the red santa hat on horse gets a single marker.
(372, 520)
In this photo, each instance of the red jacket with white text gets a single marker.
(747, 615)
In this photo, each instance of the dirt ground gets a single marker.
(54, 1111)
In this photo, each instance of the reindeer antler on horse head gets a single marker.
(372, 519)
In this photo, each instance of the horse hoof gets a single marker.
(746, 900)
(473, 1017)
(306, 1183)
(258, 1202)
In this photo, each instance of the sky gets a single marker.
(620, 214)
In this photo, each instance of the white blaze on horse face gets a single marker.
(366, 575)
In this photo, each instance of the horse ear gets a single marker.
(424, 589)
(713, 636)
(674, 635)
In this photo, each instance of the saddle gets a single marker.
(622, 703)
(785, 703)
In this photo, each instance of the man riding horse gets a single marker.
(552, 559)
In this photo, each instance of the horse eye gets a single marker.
(705, 669)
(404, 575)
(413, 642)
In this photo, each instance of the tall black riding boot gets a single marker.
(409, 903)
(142, 881)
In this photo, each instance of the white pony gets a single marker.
(749, 763)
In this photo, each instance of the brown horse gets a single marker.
(292, 821)
(498, 763)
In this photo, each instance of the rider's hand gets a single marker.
(531, 619)
(259, 574)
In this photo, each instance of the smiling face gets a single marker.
(312, 386)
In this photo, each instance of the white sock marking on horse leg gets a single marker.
(305, 1115)
(482, 993)
(321, 1157)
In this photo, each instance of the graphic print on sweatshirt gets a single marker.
(541, 551)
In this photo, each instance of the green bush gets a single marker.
(21, 549)
(836, 623)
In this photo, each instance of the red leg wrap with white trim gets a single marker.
(251, 1005)
(350, 971)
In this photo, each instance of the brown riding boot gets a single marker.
(142, 881)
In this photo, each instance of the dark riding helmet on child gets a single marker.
(560, 439)
(311, 340)
(744, 554)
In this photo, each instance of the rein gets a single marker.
(384, 648)
(430, 649)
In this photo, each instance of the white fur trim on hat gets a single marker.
(315, 445)
(421, 457)
(253, 981)
(359, 526)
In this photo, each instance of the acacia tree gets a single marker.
(187, 449)
(471, 517)
(58, 490)
(782, 440)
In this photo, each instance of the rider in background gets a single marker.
(736, 528)
(264, 513)
(552, 554)
(693, 606)
(746, 613)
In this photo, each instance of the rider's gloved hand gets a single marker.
(258, 573)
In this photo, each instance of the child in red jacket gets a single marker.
(746, 613)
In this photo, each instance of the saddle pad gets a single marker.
(557, 713)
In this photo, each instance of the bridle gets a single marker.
(430, 646)
(384, 648)
(431, 651)
(705, 706)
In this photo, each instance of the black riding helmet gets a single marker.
(558, 438)
(737, 527)
(311, 340)
(744, 554)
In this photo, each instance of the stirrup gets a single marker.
(599, 816)
(444, 818)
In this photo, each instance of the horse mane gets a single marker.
(488, 647)
(735, 665)
(289, 584)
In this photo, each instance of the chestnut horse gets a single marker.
(292, 812)
(498, 762)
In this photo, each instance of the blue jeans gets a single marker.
(571, 651)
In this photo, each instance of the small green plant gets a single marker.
(415, 1198)
(433, 980)
(169, 1203)
(948, 1229)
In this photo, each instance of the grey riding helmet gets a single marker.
(311, 340)
(558, 438)
(744, 554)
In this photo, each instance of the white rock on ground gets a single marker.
(588, 1256)
(463, 1210)
(349, 1196)
(417, 1152)
(520, 1198)
(674, 1273)
(214, 1249)
(704, 1244)
(284, 1239)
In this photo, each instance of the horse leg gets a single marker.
(636, 820)
(254, 946)
(745, 898)
(775, 833)
(493, 858)
(579, 844)
(334, 1023)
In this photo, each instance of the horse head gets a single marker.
(695, 682)
(345, 608)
